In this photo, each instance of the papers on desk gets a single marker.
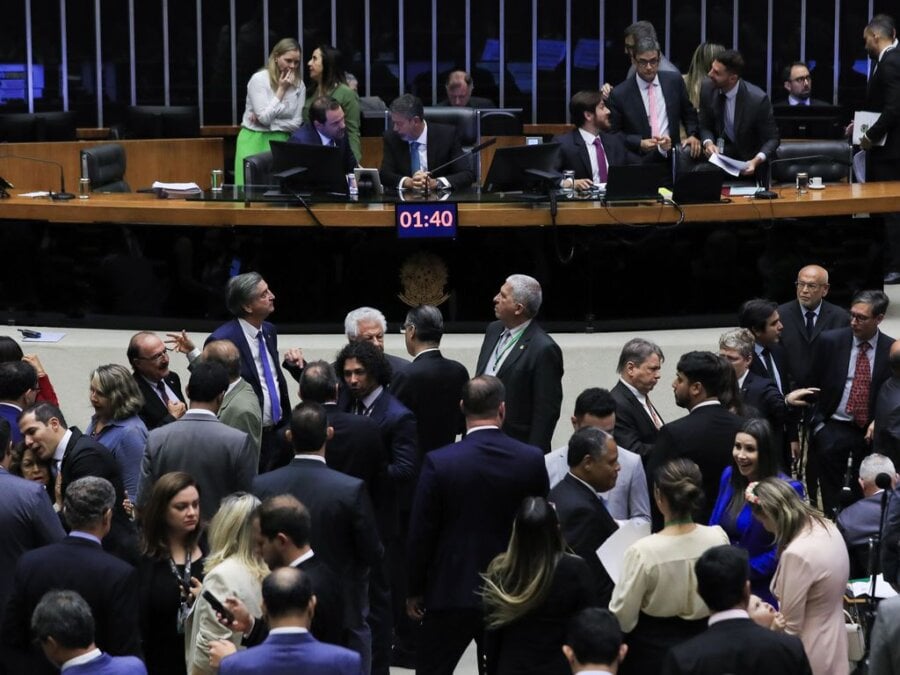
(861, 587)
(35, 195)
(743, 190)
(612, 551)
(178, 188)
(862, 120)
(728, 164)
(45, 337)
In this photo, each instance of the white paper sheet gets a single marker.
(728, 164)
(612, 551)
(862, 120)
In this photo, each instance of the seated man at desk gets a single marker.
(326, 127)
(413, 147)
(590, 148)
(798, 84)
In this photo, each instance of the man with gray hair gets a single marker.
(527, 360)
(64, 627)
(584, 520)
(861, 521)
(76, 563)
(251, 301)
(369, 325)
(412, 147)
(637, 420)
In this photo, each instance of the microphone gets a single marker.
(478, 148)
(768, 194)
(60, 196)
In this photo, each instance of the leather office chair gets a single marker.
(18, 128)
(835, 160)
(160, 121)
(55, 126)
(467, 130)
(105, 166)
(258, 169)
(374, 116)
(500, 122)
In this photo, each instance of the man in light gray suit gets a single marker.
(221, 459)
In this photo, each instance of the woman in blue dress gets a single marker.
(754, 457)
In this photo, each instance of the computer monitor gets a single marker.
(324, 166)
(509, 166)
(810, 121)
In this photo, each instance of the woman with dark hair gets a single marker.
(11, 351)
(753, 458)
(656, 599)
(530, 593)
(812, 572)
(117, 400)
(275, 97)
(170, 570)
(26, 463)
(328, 79)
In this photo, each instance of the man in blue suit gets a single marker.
(462, 517)
(251, 301)
(326, 127)
(63, 625)
(591, 148)
(290, 648)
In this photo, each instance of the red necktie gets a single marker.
(858, 403)
(601, 159)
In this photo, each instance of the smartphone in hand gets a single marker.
(218, 606)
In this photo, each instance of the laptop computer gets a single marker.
(698, 187)
(636, 182)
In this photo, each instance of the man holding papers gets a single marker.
(736, 118)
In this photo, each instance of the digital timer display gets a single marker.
(426, 220)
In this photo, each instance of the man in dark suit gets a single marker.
(18, 390)
(459, 87)
(886, 435)
(221, 458)
(251, 301)
(413, 147)
(585, 523)
(798, 84)
(62, 624)
(75, 456)
(466, 500)
(527, 360)
(706, 435)
(343, 530)
(76, 563)
(593, 642)
(650, 107)
(883, 96)
(163, 400)
(733, 643)
(637, 420)
(849, 366)
(736, 117)
(591, 147)
(290, 603)
(26, 518)
(326, 127)
(432, 384)
(806, 318)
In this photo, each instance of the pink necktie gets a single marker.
(651, 104)
(601, 159)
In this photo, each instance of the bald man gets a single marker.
(240, 408)
(886, 438)
(459, 86)
(805, 318)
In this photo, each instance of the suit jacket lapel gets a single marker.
(490, 341)
(739, 109)
(583, 153)
(636, 104)
(517, 349)
(246, 355)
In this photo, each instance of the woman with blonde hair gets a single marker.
(117, 400)
(232, 568)
(812, 572)
(701, 62)
(656, 599)
(530, 593)
(275, 98)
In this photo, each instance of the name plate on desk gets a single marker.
(426, 220)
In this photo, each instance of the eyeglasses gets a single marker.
(859, 318)
(811, 287)
(802, 78)
(157, 356)
(647, 63)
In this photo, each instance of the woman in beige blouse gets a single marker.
(811, 577)
(656, 599)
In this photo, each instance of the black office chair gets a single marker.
(105, 166)
(834, 160)
(466, 122)
(500, 122)
(55, 126)
(18, 128)
(374, 116)
(159, 121)
(258, 169)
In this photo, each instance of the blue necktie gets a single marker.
(270, 379)
(414, 162)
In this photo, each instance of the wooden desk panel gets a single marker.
(179, 160)
(142, 208)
